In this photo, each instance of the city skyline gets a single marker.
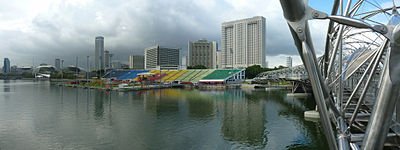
(47, 29)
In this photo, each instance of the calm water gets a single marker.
(37, 115)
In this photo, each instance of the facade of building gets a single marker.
(203, 52)
(116, 64)
(289, 62)
(6, 66)
(107, 59)
(157, 57)
(13, 69)
(136, 62)
(57, 64)
(99, 53)
(219, 61)
(24, 69)
(243, 43)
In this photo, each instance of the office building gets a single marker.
(99, 53)
(57, 64)
(157, 57)
(6, 66)
(203, 52)
(289, 62)
(107, 59)
(136, 62)
(13, 69)
(116, 64)
(243, 43)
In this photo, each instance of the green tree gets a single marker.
(253, 71)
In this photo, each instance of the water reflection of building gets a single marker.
(200, 106)
(161, 101)
(243, 120)
(99, 104)
(6, 86)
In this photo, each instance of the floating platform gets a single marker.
(298, 94)
(311, 114)
(274, 88)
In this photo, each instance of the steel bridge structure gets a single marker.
(356, 83)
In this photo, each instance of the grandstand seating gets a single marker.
(176, 76)
(190, 76)
(199, 72)
(202, 75)
(114, 73)
(170, 74)
(220, 74)
(183, 76)
(131, 74)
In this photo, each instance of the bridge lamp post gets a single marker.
(62, 72)
(231, 51)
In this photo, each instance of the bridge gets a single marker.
(356, 83)
(297, 76)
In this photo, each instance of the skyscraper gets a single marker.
(289, 62)
(243, 43)
(6, 67)
(203, 52)
(99, 53)
(157, 57)
(57, 63)
(136, 62)
(107, 59)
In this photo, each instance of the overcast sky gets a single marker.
(40, 31)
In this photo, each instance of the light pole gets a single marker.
(76, 69)
(231, 57)
(62, 66)
(88, 69)
(109, 63)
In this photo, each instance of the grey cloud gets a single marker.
(67, 31)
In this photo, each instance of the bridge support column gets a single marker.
(297, 15)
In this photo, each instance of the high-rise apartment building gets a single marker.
(57, 63)
(99, 53)
(157, 57)
(219, 61)
(289, 62)
(6, 66)
(203, 52)
(243, 43)
(136, 62)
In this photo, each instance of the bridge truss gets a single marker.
(356, 82)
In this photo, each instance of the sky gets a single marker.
(34, 32)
